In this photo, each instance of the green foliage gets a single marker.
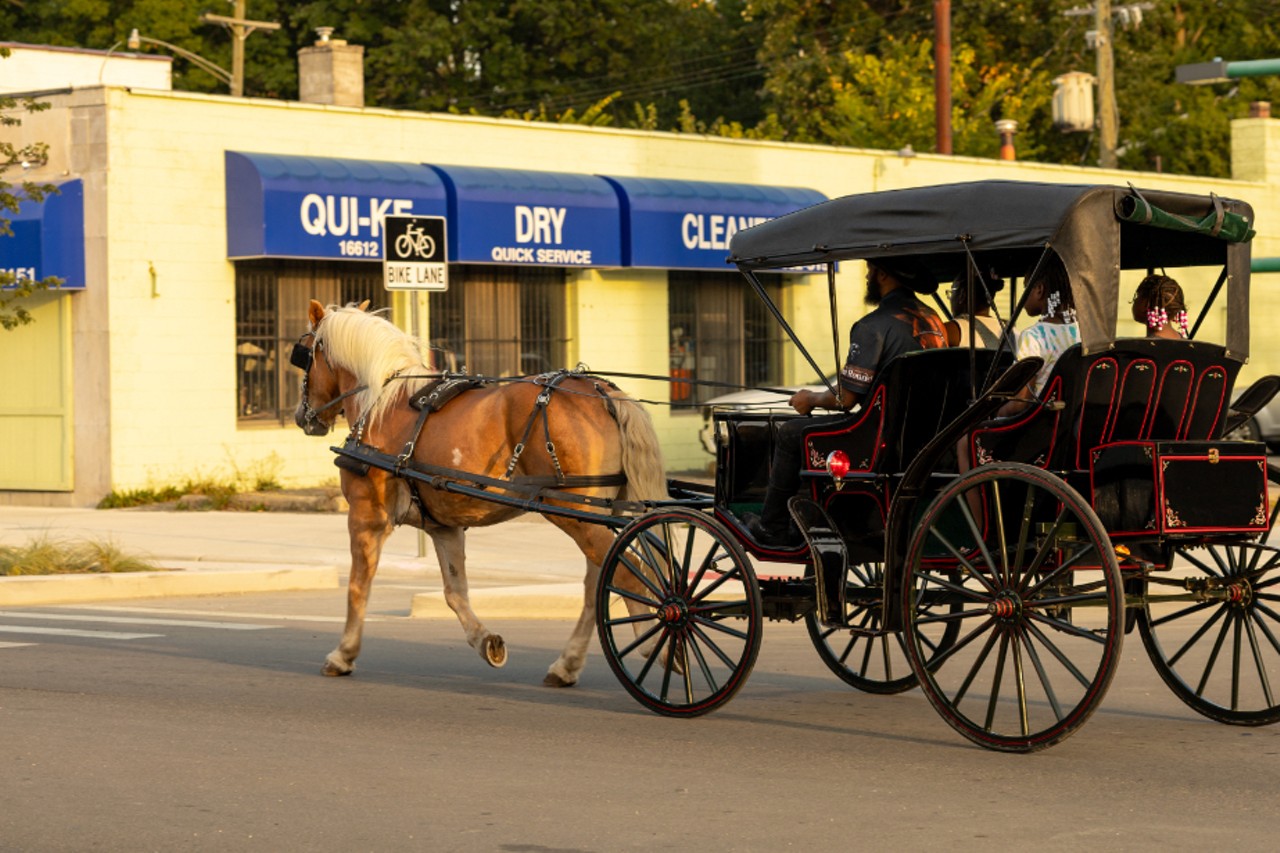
(13, 290)
(48, 556)
(856, 72)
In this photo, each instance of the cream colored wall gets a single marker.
(172, 366)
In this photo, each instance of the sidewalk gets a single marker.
(237, 552)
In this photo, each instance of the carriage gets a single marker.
(1004, 591)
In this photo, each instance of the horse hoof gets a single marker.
(553, 680)
(495, 651)
(333, 668)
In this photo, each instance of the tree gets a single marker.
(14, 290)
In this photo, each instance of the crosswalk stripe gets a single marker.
(278, 617)
(15, 645)
(72, 632)
(137, 620)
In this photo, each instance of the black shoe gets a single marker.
(771, 537)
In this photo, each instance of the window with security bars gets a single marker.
(271, 314)
(720, 332)
(501, 321)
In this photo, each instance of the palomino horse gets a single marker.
(365, 365)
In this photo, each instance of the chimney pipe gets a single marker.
(1007, 127)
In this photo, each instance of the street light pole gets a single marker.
(240, 28)
(1218, 71)
(136, 41)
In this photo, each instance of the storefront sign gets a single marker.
(48, 238)
(671, 224)
(321, 207)
(510, 216)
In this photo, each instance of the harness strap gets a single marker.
(550, 383)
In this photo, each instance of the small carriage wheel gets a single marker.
(1042, 615)
(1215, 640)
(678, 611)
(860, 653)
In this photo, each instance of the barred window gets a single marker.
(271, 313)
(501, 321)
(720, 332)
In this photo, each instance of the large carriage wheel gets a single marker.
(1042, 607)
(686, 620)
(1216, 640)
(860, 652)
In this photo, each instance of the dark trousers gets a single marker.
(784, 472)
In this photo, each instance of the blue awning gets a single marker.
(321, 207)
(512, 216)
(48, 238)
(672, 224)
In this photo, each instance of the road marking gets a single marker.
(278, 617)
(15, 645)
(72, 632)
(137, 620)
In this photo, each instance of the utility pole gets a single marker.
(240, 29)
(942, 75)
(1108, 114)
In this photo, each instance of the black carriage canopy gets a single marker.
(1006, 225)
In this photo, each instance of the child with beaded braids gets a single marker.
(1159, 304)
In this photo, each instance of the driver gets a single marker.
(899, 324)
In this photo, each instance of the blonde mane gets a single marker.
(374, 350)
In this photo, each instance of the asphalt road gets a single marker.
(203, 724)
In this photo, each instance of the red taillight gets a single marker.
(837, 464)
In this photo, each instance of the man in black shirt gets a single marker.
(899, 324)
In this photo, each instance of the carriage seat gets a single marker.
(1142, 389)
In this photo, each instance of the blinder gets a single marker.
(303, 356)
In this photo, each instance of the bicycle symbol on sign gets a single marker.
(415, 241)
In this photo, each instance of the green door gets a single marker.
(35, 405)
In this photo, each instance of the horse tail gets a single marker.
(641, 453)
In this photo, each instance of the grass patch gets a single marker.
(262, 475)
(47, 556)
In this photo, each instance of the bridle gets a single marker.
(303, 357)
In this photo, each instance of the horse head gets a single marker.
(322, 394)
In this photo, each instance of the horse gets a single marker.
(361, 364)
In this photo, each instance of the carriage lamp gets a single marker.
(838, 466)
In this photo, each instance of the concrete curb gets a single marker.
(534, 601)
(71, 589)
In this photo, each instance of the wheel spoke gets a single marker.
(639, 575)
(708, 560)
(1065, 627)
(1186, 611)
(721, 579)
(1235, 661)
(952, 617)
(640, 641)
(1213, 657)
(681, 583)
(707, 675)
(1195, 638)
(970, 594)
(976, 668)
(653, 655)
(1262, 626)
(1066, 565)
(713, 646)
(1024, 529)
(1258, 661)
(1020, 682)
(995, 681)
(1058, 653)
(963, 560)
(959, 644)
(1186, 555)
(632, 596)
(1006, 577)
(1044, 677)
(977, 534)
(724, 629)
(658, 564)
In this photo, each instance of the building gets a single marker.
(205, 223)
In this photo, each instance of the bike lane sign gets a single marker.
(414, 253)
